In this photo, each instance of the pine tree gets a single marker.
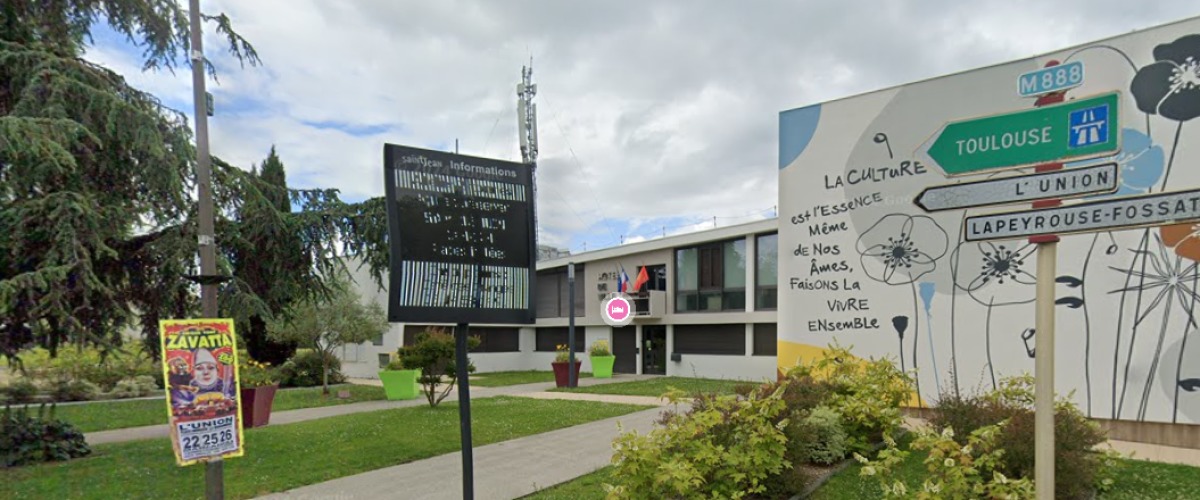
(97, 215)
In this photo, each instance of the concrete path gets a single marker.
(505, 470)
(305, 414)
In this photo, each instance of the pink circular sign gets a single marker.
(618, 309)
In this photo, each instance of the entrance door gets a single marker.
(625, 349)
(654, 350)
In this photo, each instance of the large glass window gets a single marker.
(767, 271)
(553, 290)
(711, 277)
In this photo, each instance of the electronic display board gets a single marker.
(461, 229)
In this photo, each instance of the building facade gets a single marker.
(706, 310)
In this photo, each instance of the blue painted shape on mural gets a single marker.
(796, 129)
(927, 291)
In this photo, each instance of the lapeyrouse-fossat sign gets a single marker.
(949, 292)
(461, 230)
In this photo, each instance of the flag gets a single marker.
(642, 278)
(622, 280)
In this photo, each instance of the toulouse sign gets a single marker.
(462, 238)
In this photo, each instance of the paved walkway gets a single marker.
(301, 415)
(505, 470)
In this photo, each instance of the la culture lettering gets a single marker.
(878, 174)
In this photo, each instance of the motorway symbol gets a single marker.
(1069, 183)
(1078, 129)
(1126, 212)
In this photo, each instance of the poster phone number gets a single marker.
(207, 441)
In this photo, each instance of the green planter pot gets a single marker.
(400, 384)
(602, 366)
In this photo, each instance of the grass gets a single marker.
(587, 487)
(283, 457)
(107, 415)
(659, 386)
(499, 379)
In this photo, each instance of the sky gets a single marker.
(654, 118)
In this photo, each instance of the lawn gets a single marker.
(499, 379)
(289, 456)
(105, 415)
(659, 386)
(587, 487)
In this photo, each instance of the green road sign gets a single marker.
(1083, 128)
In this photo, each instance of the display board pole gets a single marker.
(464, 409)
(571, 325)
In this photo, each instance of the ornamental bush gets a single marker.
(817, 438)
(305, 369)
(19, 391)
(28, 439)
(1079, 469)
(433, 352)
(866, 393)
(726, 447)
(135, 387)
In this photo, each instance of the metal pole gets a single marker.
(1044, 372)
(571, 325)
(464, 410)
(214, 474)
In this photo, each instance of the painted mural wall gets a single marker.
(860, 263)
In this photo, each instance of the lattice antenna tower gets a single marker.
(527, 115)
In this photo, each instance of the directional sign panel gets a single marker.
(1105, 215)
(1084, 128)
(1070, 183)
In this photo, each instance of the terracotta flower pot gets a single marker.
(562, 376)
(256, 405)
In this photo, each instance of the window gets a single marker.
(377, 340)
(711, 277)
(767, 272)
(657, 278)
(764, 339)
(384, 359)
(550, 337)
(491, 339)
(553, 293)
(710, 339)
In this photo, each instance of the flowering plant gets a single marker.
(600, 348)
(251, 373)
(561, 354)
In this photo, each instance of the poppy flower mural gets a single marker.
(961, 313)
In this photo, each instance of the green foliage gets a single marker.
(19, 391)
(28, 439)
(433, 352)
(251, 373)
(74, 390)
(725, 447)
(87, 363)
(1079, 469)
(307, 369)
(395, 365)
(817, 438)
(135, 387)
(866, 393)
(327, 323)
(599, 348)
(562, 354)
(970, 470)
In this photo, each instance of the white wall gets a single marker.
(754, 368)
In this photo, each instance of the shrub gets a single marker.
(136, 387)
(395, 365)
(599, 348)
(74, 390)
(305, 370)
(251, 373)
(726, 447)
(954, 470)
(867, 394)
(817, 438)
(26, 439)
(1079, 469)
(19, 391)
(433, 353)
(73, 363)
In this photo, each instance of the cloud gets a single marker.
(648, 111)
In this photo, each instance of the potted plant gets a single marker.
(602, 359)
(258, 386)
(561, 360)
(399, 383)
